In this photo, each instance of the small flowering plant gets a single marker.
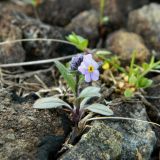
(80, 65)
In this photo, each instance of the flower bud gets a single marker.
(76, 61)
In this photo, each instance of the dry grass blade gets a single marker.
(34, 62)
(123, 118)
(39, 61)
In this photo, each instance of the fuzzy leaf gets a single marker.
(50, 102)
(66, 75)
(90, 92)
(100, 109)
(84, 101)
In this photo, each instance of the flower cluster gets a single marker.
(87, 66)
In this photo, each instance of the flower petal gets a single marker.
(94, 63)
(95, 75)
(82, 68)
(87, 59)
(88, 77)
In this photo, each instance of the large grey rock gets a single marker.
(32, 29)
(138, 137)
(101, 142)
(123, 44)
(85, 24)
(60, 12)
(146, 22)
(154, 91)
(23, 127)
(117, 139)
(10, 52)
(117, 10)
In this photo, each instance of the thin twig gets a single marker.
(36, 39)
(155, 71)
(123, 118)
(27, 74)
(34, 62)
(40, 81)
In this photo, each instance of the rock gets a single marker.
(138, 137)
(154, 91)
(117, 10)
(17, 26)
(128, 6)
(22, 128)
(32, 29)
(11, 52)
(60, 12)
(101, 142)
(88, 29)
(117, 139)
(123, 44)
(8, 7)
(146, 22)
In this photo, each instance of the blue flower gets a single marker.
(89, 68)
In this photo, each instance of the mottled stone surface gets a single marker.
(101, 142)
(153, 92)
(146, 22)
(88, 29)
(10, 52)
(22, 128)
(60, 12)
(123, 44)
(138, 137)
(118, 10)
(32, 29)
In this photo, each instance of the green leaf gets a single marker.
(128, 93)
(80, 42)
(144, 82)
(90, 92)
(50, 102)
(103, 53)
(100, 109)
(84, 101)
(132, 79)
(66, 75)
(152, 61)
(157, 67)
(105, 19)
(145, 66)
(33, 2)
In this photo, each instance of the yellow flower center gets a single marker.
(90, 68)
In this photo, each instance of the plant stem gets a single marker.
(77, 103)
(77, 83)
(102, 3)
(132, 63)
